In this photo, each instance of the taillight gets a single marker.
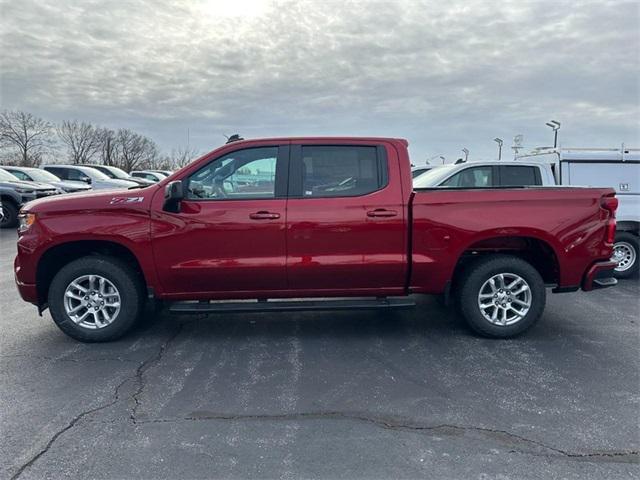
(611, 205)
(611, 232)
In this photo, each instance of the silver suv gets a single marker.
(91, 176)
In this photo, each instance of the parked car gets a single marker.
(118, 173)
(153, 177)
(39, 175)
(88, 175)
(166, 173)
(353, 227)
(15, 192)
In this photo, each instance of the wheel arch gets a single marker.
(628, 226)
(56, 257)
(536, 251)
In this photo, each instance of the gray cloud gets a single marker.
(442, 74)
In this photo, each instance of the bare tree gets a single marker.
(164, 162)
(181, 156)
(28, 134)
(81, 139)
(135, 151)
(108, 147)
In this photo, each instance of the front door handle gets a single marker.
(264, 215)
(381, 212)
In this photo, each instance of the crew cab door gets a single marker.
(346, 228)
(229, 235)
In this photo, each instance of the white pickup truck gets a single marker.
(616, 168)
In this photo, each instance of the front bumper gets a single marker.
(28, 291)
(599, 275)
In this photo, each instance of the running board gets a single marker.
(290, 305)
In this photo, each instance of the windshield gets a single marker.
(93, 173)
(42, 175)
(433, 177)
(7, 177)
(115, 172)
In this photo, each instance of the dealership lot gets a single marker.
(355, 395)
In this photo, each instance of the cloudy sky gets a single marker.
(443, 74)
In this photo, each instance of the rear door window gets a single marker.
(339, 171)
(519, 176)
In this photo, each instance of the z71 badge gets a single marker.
(123, 200)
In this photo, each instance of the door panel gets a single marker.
(351, 242)
(230, 233)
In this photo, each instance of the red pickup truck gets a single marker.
(309, 223)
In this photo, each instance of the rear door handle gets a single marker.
(381, 212)
(264, 215)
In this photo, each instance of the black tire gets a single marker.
(9, 217)
(120, 275)
(630, 241)
(479, 272)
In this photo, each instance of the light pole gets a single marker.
(517, 145)
(466, 154)
(499, 142)
(442, 158)
(555, 126)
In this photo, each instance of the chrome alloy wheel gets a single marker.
(92, 301)
(624, 255)
(505, 299)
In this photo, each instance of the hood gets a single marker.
(115, 182)
(28, 185)
(92, 201)
(141, 181)
(71, 184)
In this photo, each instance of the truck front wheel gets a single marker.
(95, 299)
(625, 253)
(501, 296)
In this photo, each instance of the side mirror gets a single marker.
(87, 180)
(173, 195)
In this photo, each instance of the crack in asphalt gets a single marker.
(137, 376)
(143, 367)
(399, 425)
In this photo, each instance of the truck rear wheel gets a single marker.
(501, 296)
(625, 253)
(95, 299)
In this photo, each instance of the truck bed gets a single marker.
(447, 223)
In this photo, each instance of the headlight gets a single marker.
(25, 220)
(25, 190)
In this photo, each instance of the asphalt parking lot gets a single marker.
(408, 394)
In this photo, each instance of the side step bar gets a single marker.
(290, 305)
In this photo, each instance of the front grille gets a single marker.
(45, 193)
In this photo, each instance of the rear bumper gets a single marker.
(599, 275)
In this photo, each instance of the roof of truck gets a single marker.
(323, 139)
